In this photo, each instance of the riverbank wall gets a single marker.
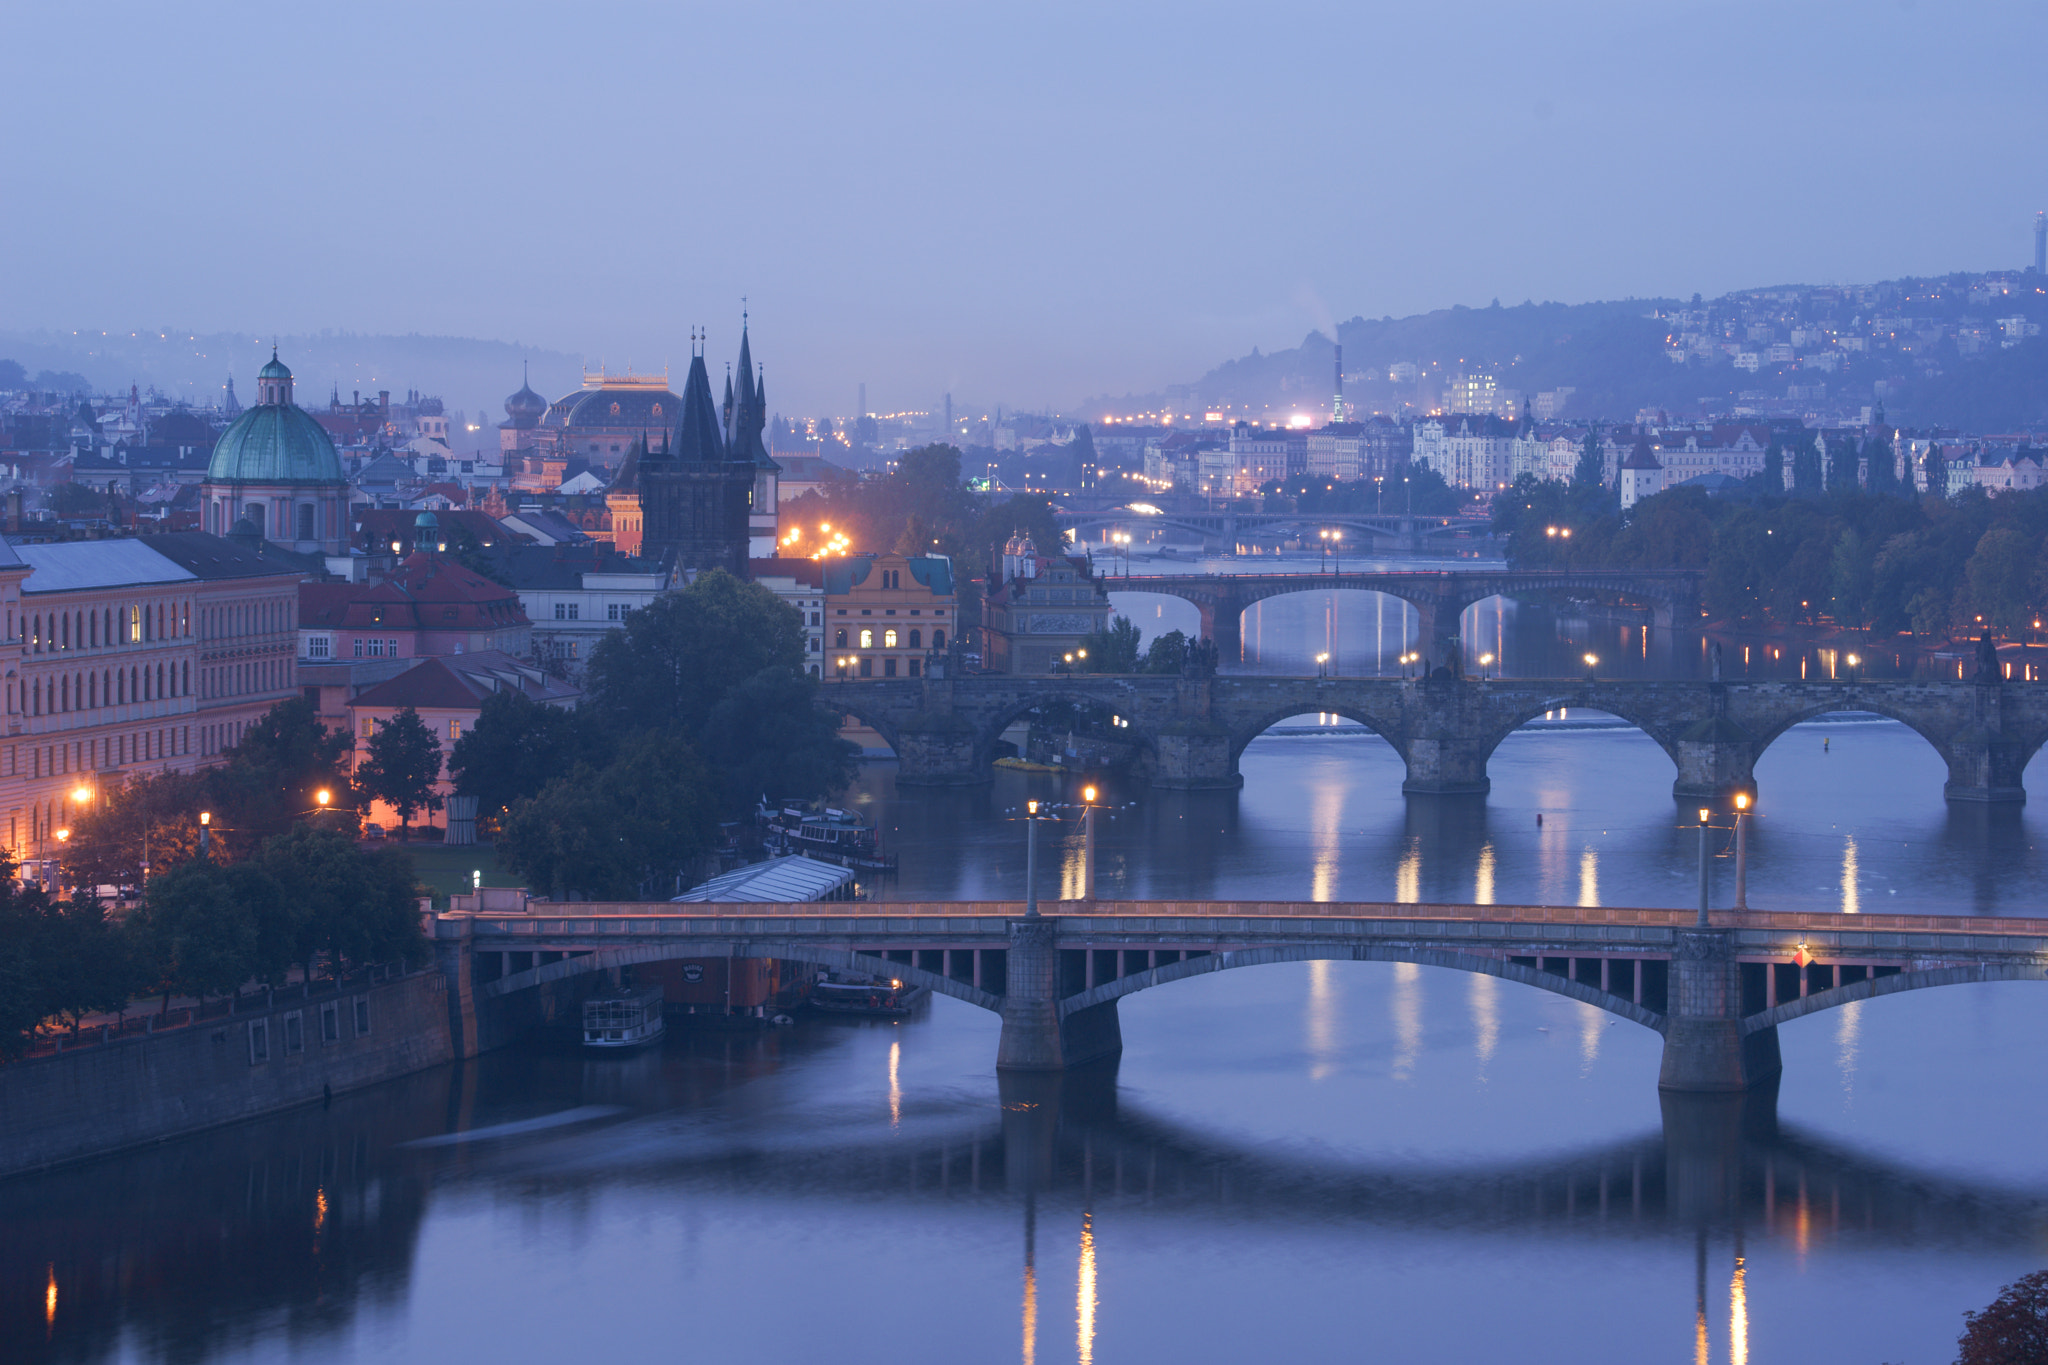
(290, 1048)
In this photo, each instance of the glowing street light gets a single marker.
(1592, 662)
(1322, 664)
(1485, 662)
(1742, 850)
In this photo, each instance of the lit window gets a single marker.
(867, 639)
(455, 729)
(888, 639)
(369, 727)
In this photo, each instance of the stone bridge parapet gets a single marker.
(1193, 731)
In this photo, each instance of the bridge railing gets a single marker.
(1780, 921)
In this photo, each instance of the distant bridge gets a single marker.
(1192, 732)
(1440, 597)
(1223, 530)
(1717, 993)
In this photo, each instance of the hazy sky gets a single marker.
(1022, 203)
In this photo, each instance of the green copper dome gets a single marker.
(275, 443)
(274, 370)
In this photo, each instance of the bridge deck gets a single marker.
(1769, 920)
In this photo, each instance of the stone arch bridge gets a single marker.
(1222, 530)
(1716, 992)
(1440, 597)
(1193, 731)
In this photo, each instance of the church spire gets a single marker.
(697, 439)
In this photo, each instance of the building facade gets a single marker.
(887, 615)
(130, 657)
(1042, 610)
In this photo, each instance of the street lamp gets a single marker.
(1031, 859)
(1337, 549)
(1704, 814)
(1742, 850)
(1325, 533)
(1088, 842)
(1853, 661)
(1592, 662)
(205, 830)
(1485, 662)
(1323, 664)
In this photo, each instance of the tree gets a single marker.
(351, 905)
(675, 658)
(606, 833)
(21, 964)
(274, 774)
(403, 763)
(1806, 471)
(1843, 462)
(203, 927)
(1774, 467)
(2001, 577)
(771, 737)
(2012, 1329)
(1591, 471)
(1081, 450)
(1167, 653)
(146, 822)
(518, 746)
(1936, 466)
(1880, 466)
(1115, 649)
(86, 961)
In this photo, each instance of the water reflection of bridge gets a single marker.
(305, 1222)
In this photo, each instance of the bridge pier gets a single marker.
(937, 749)
(1705, 1049)
(1448, 756)
(1194, 756)
(1035, 1037)
(1983, 763)
(454, 955)
(1716, 758)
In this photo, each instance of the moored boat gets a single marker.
(621, 1020)
(888, 998)
(827, 833)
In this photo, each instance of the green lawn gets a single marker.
(447, 870)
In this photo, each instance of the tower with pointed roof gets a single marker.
(746, 421)
(695, 493)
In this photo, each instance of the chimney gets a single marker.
(14, 511)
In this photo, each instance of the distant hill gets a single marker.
(1952, 351)
(467, 374)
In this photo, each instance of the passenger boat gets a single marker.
(621, 1020)
(828, 834)
(887, 998)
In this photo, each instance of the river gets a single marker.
(1303, 1161)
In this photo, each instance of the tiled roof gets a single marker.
(462, 682)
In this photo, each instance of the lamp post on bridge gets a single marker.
(1704, 827)
(1742, 850)
(1088, 842)
(1031, 859)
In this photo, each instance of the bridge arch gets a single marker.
(1968, 974)
(1800, 715)
(1003, 717)
(1588, 699)
(1242, 736)
(877, 717)
(606, 959)
(1312, 952)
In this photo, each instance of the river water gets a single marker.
(1304, 1161)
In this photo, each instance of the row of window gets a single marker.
(370, 724)
(891, 611)
(107, 751)
(108, 687)
(256, 675)
(890, 639)
(294, 1021)
(912, 668)
(145, 623)
(613, 611)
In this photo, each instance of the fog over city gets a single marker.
(1019, 205)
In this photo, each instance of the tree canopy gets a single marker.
(401, 767)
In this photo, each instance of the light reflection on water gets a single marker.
(1273, 1138)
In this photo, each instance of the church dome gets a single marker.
(275, 443)
(525, 403)
(627, 403)
(276, 369)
